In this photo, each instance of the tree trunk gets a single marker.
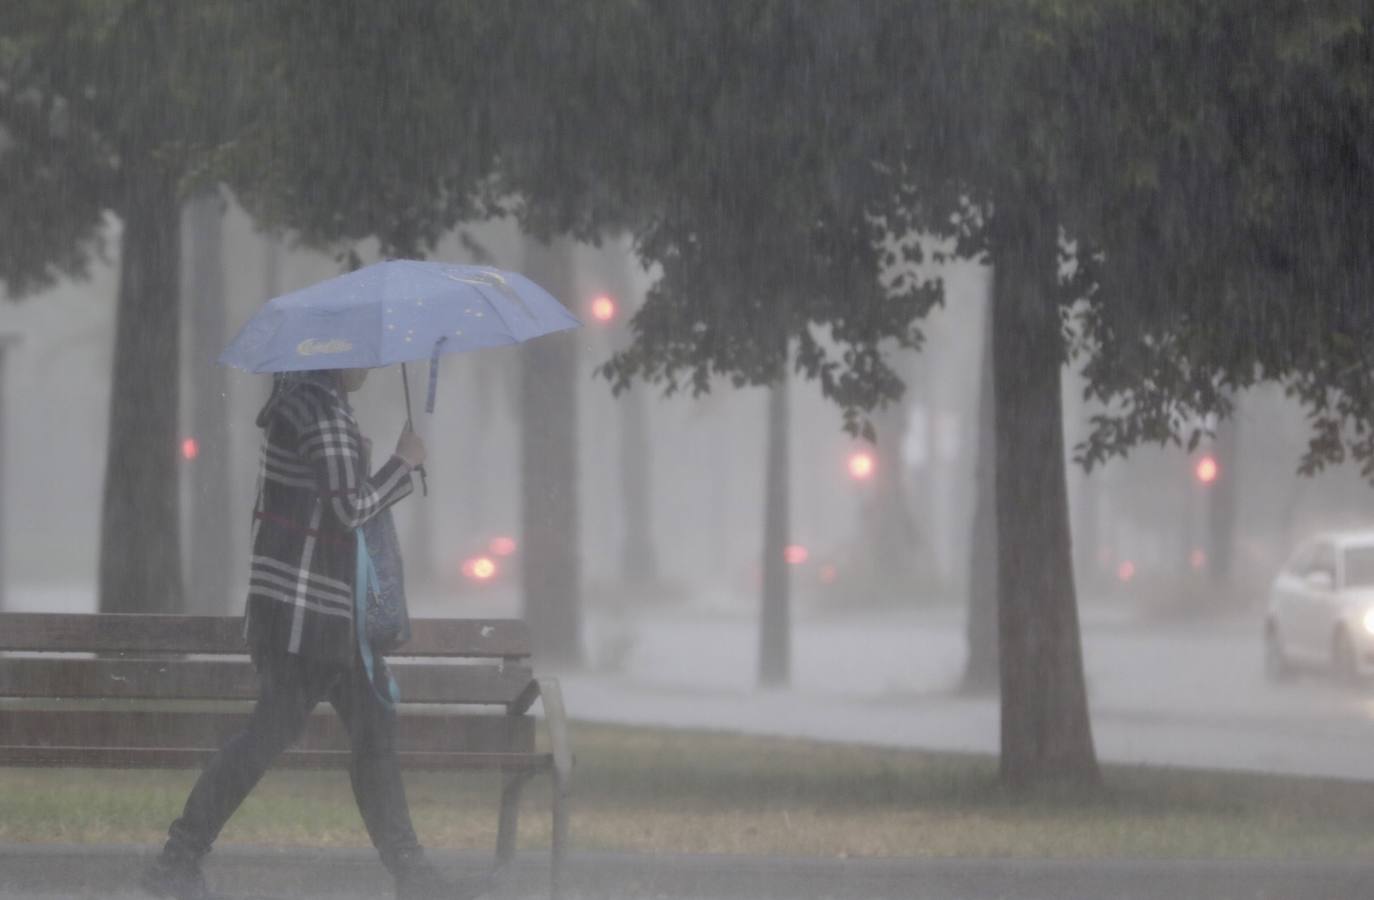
(1085, 497)
(1087, 529)
(140, 557)
(1221, 503)
(1046, 733)
(211, 536)
(639, 554)
(6, 340)
(893, 546)
(775, 629)
(550, 552)
(980, 624)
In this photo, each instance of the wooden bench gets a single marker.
(466, 693)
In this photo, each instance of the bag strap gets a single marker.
(365, 579)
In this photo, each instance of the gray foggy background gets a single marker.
(706, 453)
(706, 462)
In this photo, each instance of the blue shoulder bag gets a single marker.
(381, 620)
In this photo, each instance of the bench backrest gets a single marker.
(125, 689)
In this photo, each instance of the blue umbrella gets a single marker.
(395, 312)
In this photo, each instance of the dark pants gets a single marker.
(291, 686)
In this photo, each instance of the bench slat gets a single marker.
(179, 679)
(137, 758)
(117, 632)
(479, 638)
(146, 729)
(154, 633)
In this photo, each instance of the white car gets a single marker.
(1321, 609)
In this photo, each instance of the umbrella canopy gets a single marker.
(394, 312)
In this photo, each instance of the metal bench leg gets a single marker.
(510, 813)
(557, 722)
(560, 833)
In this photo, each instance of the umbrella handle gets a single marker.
(405, 383)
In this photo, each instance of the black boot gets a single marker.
(174, 876)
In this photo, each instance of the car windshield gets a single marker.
(1359, 567)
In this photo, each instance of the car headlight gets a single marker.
(1368, 621)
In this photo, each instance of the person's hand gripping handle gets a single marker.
(411, 448)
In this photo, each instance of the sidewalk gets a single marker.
(87, 873)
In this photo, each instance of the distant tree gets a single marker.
(1222, 502)
(775, 601)
(981, 665)
(894, 549)
(6, 342)
(551, 551)
(614, 271)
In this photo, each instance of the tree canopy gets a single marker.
(89, 91)
(369, 119)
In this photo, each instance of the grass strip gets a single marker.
(656, 790)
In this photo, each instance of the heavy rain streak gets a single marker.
(717, 450)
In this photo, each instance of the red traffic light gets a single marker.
(795, 554)
(1207, 469)
(190, 449)
(479, 568)
(861, 465)
(603, 308)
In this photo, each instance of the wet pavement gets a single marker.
(48, 872)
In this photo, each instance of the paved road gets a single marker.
(1175, 694)
(104, 872)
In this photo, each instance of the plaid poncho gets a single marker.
(314, 493)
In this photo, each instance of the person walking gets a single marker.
(313, 493)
